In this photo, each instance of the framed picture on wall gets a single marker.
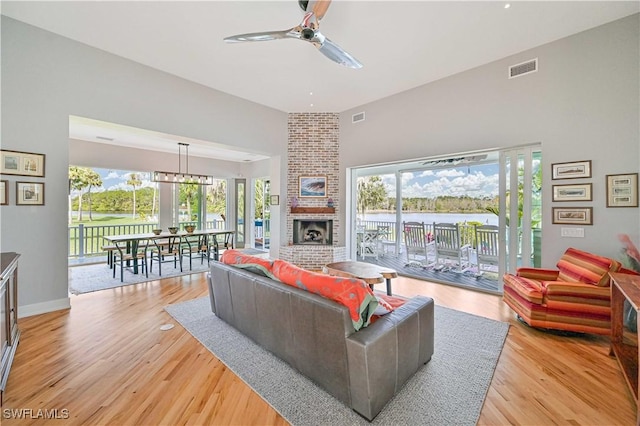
(4, 192)
(579, 192)
(573, 170)
(274, 200)
(29, 194)
(21, 163)
(622, 190)
(313, 186)
(572, 215)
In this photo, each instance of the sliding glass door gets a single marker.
(240, 209)
(520, 207)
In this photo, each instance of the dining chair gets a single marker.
(134, 251)
(218, 243)
(191, 245)
(163, 249)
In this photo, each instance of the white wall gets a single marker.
(583, 104)
(47, 78)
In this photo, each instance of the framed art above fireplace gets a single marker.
(313, 186)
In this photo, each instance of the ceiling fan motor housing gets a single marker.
(307, 33)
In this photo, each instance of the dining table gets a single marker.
(128, 243)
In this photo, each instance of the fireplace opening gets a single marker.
(313, 231)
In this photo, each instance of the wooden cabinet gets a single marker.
(9, 332)
(624, 339)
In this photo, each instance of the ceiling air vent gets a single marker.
(523, 68)
(356, 118)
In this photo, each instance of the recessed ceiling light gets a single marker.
(507, 5)
(311, 93)
(311, 105)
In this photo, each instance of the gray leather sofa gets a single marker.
(315, 335)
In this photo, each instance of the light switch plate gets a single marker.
(572, 232)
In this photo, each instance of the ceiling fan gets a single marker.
(307, 30)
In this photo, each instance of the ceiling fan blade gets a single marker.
(264, 36)
(336, 54)
(319, 8)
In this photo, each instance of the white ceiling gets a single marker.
(87, 129)
(402, 44)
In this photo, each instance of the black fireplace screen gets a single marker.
(319, 232)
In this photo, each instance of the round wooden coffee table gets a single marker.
(371, 274)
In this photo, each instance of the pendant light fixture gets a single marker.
(179, 177)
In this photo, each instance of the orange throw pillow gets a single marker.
(353, 293)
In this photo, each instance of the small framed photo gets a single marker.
(4, 192)
(622, 190)
(579, 192)
(274, 200)
(313, 186)
(572, 215)
(574, 170)
(21, 163)
(29, 194)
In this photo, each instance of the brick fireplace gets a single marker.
(313, 151)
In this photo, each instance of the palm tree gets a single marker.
(77, 181)
(371, 193)
(92, 179)
(189, 191)
(134, 180)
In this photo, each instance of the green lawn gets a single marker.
(108, 220)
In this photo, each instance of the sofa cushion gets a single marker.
(250, 263)
(353, 293)
(579, 266)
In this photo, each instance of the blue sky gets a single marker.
(474, 181)
(117, 179)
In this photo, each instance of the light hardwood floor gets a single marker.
(106, 361)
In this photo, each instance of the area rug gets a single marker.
(449, 390)
(95, 277)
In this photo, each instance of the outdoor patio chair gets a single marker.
(417, 243)
(449, 248)
(134, 252)
(384, 240)
(487, 255)
(369, 243)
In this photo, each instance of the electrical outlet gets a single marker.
(572, 232)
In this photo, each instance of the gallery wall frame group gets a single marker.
(622, 190)
(27, 164)
(20, 163)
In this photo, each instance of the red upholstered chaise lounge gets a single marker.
(575, 297)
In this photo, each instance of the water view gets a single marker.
(428, 218)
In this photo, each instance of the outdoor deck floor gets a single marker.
(484, 283)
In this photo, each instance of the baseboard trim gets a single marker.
(44, 307)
